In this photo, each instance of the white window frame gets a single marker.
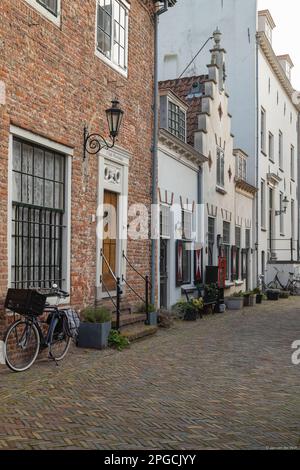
(292, 163)
(173, 102)
(187, 220)
(263, 125)
(271, 147)
(263, 204)
(102, 56)
(221, 153)
(241, 167)
(68, 152)
(165, 214)
(280, 149)
(46, 13)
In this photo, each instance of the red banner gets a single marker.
(222, 272)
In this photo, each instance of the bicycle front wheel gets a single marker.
(21, 345)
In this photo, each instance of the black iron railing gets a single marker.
(145, 300)
(116, 303)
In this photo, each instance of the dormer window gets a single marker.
(268, 31)
(176, 121)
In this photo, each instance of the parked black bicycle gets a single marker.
(292, 286)
(27, 337)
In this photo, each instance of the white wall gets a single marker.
(180, 178)
(185, 28)
(275, 121)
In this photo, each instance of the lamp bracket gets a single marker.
(94, 143)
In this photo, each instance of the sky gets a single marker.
(286, 35)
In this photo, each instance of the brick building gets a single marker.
(61, 64)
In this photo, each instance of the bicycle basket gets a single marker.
(25, 302)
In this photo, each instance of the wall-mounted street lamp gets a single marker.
(284, 206)
(219, 241)
(93, 143)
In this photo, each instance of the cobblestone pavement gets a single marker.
(225, 382)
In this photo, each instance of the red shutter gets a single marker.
(198, 266)
(179, 268)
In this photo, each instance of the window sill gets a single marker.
(239, 283)
(229, 284)
(55, 19)
(110, 64)
(221, 190)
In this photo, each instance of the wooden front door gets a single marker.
(110, 228)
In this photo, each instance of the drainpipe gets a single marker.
(257, 165)
(159, 11)
(298, 195)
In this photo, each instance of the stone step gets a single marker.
(126, 320)
(138, 331)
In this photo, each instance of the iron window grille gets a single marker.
(38, 208)
(165, 214)
(187, 220)
(226, 242)
(112, 26)
(177, 121)
(50, 5)
(211, 240)
(220, 168)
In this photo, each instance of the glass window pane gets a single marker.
(38, 192)
(17, 155)
(122, 17)
(38, 162)
(16, 189)
(27, 158)
(49, 165)
(49, 194)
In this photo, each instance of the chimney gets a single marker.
(218, 58)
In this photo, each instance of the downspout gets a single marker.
(159, 11)
(257, 165)
(298, 195)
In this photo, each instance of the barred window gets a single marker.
(177, 121)
(50, 5)
(112, 27)
(165, 214)
(220, 168)
(38, 207)
(211, 240)
(187, 218)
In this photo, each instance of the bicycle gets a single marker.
(292, 285)
(25, 338)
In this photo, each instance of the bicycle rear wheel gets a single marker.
(59, 346)
(21, 345)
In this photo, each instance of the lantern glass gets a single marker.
(114, 119)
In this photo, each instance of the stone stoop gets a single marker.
(133, 326)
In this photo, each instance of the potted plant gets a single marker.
(211, 293)
(259, 295)
(249, 299)
(273, 294)
(235, 301)
(95, 328)
(152, 315)
(186, 310)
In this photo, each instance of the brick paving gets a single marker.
(225, 382)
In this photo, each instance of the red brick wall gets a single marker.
(54, 84)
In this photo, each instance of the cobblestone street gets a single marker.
(225, 382)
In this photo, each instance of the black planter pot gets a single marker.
(93, 335)
(259, 298)
(273, 294)
(190, 315)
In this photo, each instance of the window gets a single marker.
(177, 121)
(248, 238)
(220, 168)
(165, 221)
(281, 214)
(50, 5)
(271, 147)
(292, 162)
(48, 8)
(241, 168)
(280, 150)
(263, 131)
(238, 250)
(226, 243)
(211, 240)
(38, 208)
(293, 219)
(263, 263)
(263, 203)
(112, 28)
(187, 225)
(186, 263)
